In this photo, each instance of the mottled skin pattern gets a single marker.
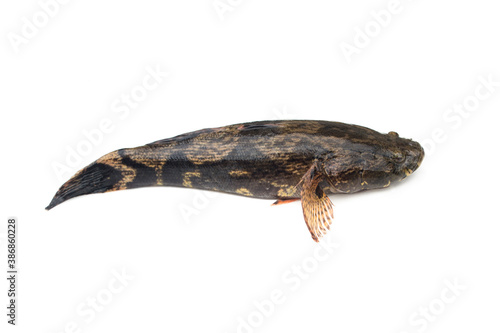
(265, 159)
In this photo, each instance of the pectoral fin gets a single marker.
(316, 206)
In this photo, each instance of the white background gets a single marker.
(204, 271)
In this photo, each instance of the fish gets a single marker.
(283, 160)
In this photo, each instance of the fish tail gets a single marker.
(112, 172)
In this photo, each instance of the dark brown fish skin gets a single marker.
(264, 159)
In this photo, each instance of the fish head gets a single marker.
(374, 163)
(403, 156)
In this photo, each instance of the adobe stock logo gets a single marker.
(121, 107)
(380, 20)
(222, 7)
(454, 116)
(424, 316)
(95, 305)
(31, 26)
(291, 281)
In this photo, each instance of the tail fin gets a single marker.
(95, 178)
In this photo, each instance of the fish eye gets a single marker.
(394, 134)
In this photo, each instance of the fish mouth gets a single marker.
(405, 173)
(420, 157)
(420, 160)
(415, 158)
(408, 171)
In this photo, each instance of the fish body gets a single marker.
(283, 160)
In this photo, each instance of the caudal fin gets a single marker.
(95, 178)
